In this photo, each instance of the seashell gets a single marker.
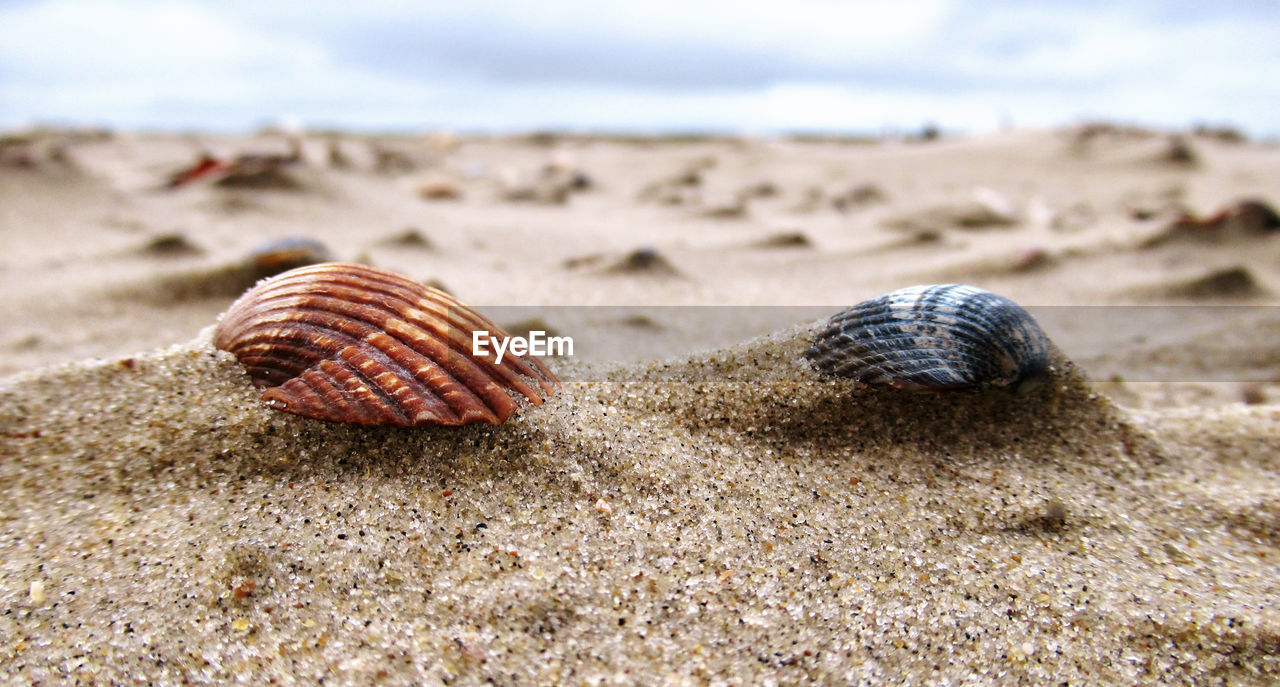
(934, 338)
(1235, 281)
(206, 166)
(284, 254)
(264, 170)
(440, 189)
(351, 343)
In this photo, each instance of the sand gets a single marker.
(697, 505)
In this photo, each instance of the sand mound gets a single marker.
(172, 245)
(27, 171)
(47, 156)
(409, 238)
(785, 239)
(858, 196)
(643, 261)
(778, 397)
(726, 514)
(976, 214)
(1246, 221)
(1178, 153)
(1024, 260)
(1233, 282)
(266, 178)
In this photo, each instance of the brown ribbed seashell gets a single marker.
(351, 343)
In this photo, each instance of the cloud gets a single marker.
(100, 39)
(171, 63)
(656, 44)
(841, 64)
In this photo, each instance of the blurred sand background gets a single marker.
(696, 506)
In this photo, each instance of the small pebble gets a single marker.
(1253, 394)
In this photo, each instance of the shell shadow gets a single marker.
(225, 281)
(787, 405)
(987, 424)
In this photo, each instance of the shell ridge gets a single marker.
(329, 273)
(359, 358)
(406, 362)
(272, 367)
(901, 368)
(298, 334)
(360, 391)
(516, 375)
(467, 374)
(969, 340)
(439, 383)
(407, 291)
(909, 360)
(429, 386)
(465, 320)
(1025, 342)
(457, 316)
(291, 338)
(303, 395)
(459, 370)
(275, 366)
(330, 393)
(343, 340)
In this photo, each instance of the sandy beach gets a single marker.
(697, 505)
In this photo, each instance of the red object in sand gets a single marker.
(205, 166)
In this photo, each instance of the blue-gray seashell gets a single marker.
(933, 338)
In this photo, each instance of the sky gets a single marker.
(654, 66)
